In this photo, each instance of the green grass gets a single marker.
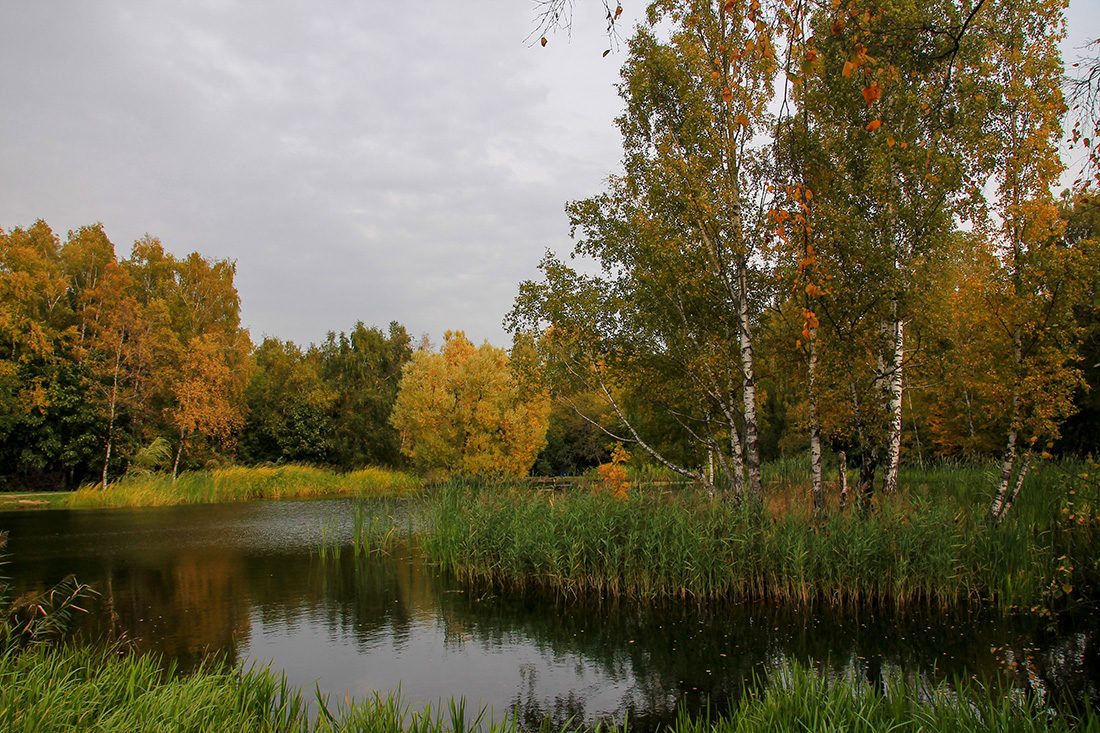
(34, 500)
(929, 546)
(241, 484)
(73, 688)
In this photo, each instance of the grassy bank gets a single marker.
(241, 484)
(75, 689)
(34, 500)
(928, 546)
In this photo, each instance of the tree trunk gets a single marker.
(111, 412)
(893, 445)
(736, 454)
(179, 452)
(842, 477)
(752, 435)
(1024, 464)
(817, 481)
(1008, 465)
(916, 430)
(867, 465)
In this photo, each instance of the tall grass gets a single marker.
(802, 700)
(69, 688)
(241, 484)
(928, 546)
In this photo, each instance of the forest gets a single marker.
(890, 269)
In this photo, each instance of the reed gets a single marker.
(74, 688)
(801, 699)
(929, 546)
(239, 483)
(377, 527)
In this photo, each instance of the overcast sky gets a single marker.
(363, 160)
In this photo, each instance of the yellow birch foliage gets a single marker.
(462, 411)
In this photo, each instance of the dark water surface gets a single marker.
(247, 582)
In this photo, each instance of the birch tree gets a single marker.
(1034, 288)
(875, 171)
(681, 243)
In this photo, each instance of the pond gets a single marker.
(247, 582)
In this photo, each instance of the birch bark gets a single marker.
(893, 447)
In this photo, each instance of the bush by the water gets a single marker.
(929, 545)
(241, 483)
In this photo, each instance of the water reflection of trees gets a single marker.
(198, 601)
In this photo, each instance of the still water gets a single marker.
(247, 582)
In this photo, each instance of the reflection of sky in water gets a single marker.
(427, 664)
(247, 581)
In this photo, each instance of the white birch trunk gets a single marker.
(817, 483)
(111, 412)
(1008, 464)
(752, 435)
(179, 452)
(842, 477)
(893, 446)
(736, 454)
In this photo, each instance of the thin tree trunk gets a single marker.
(752, 436)
(969, 421)
(842, 477)
(893, 446)
(736, 454)
(179, 452)
(1024, 464)
(1008, 465)
(111, 412)
(867, 465)
(916, 431)
(817, 482)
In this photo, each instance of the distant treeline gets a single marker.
(111, 365)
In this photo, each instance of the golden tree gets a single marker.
(462, 411)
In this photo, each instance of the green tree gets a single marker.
(289, 407)
(362, 369)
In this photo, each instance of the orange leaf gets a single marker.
(874, 125)
(727, 94)
(811, 55)
(743, 119)
(848, 67)
(543, 40)
(872, 93)
(890, 141)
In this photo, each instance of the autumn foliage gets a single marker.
(462, 411)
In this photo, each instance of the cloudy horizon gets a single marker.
(359, 162)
